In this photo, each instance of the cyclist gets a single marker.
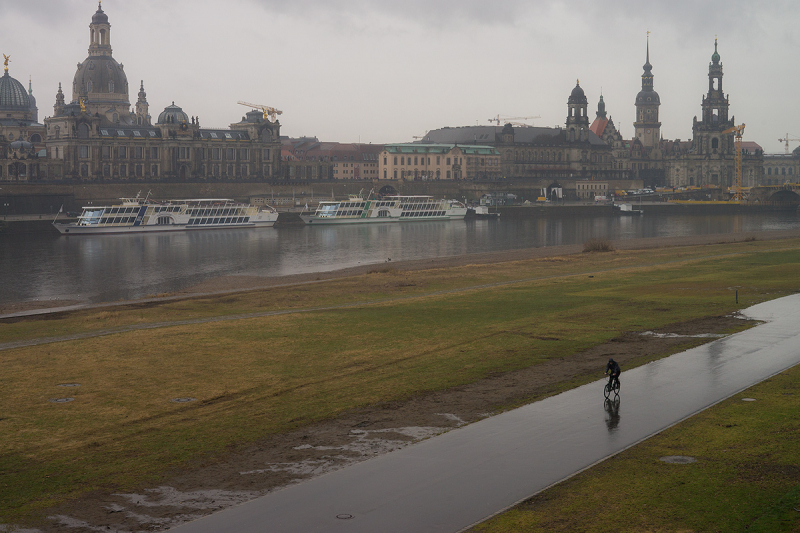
(613, 370)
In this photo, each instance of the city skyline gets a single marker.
(380, 72)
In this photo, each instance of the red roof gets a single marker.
(599, 126)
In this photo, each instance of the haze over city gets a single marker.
(351, 71)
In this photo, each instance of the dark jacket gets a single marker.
(613, 368)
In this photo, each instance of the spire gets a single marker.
(30, 86)
(647, 66)
(715, 57)
(647, 75)
(601, 108)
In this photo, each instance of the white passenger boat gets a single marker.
(359, 210)
(141, 215)
(415, 208)
(355, 210)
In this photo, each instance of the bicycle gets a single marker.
(611, 388)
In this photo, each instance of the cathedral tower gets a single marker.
(100, 82)
(577, 115)
(707, 133)
(647, 126)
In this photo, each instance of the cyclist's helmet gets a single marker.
(611, 360)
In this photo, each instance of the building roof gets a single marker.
(224, 135)
(124, 130)
(599, 126)
(173, 114)
(311, 149)
(751, 146)
(421, 148)
(492, 135)
(13, 95)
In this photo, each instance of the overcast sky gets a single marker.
(386, 71)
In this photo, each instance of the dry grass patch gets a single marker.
(598, 245)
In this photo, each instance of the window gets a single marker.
(242, 153)
(84, 170)
(154, 170)
(215, 154)
(105, 152)
(183, 152)
(58, 132)
(84, 152)
(154, 152)
(138, 171)
(106, 171)
(123, 152)
(229, 154)
(395, 158)
(139, 152)
(123, 171)
(448, 163)
(265, 154)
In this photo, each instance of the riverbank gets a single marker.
(437, 347)
(233, 283)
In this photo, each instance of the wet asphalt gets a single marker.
(453, 481)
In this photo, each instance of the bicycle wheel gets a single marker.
(607, 391)
(616, 388)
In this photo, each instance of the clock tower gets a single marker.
(647, 126)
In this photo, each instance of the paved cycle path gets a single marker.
(450, 482)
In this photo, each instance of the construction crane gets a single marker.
(786, 140)
(497, 120)
(269, 112)
(419, 136)
(737, 131)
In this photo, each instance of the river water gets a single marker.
(107, 268)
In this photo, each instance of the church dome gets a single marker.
(100, 17)
(100, 77)
(13, 96)
(647, 97)
(577, 96)
(172, 114)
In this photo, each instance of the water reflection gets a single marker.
(107, 268)
(612, 413)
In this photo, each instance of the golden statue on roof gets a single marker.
(7, 59)
(83, 105)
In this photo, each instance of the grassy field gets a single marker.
(745, 477)
(379, 337)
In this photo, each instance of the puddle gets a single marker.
(201, 499)
(679, 336)
(365, 443)
(74, 523)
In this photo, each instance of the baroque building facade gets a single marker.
(418, 161)
(574, 152)
(97, 136)
(709, 161)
